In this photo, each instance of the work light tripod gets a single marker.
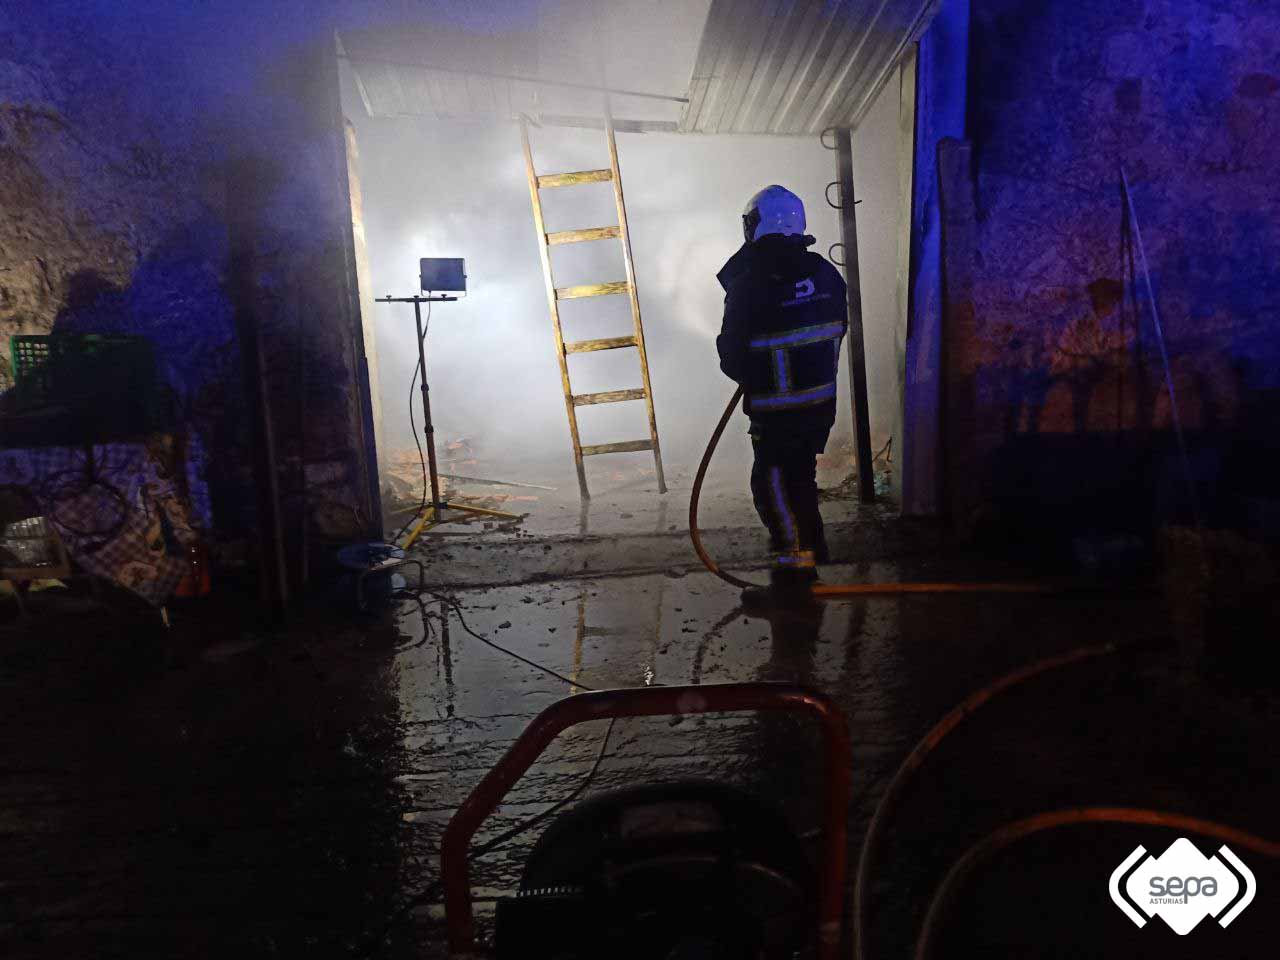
(432, 514)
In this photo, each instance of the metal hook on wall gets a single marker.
(827, 194)
(831, 255)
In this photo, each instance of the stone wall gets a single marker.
(1056, 396)
(133, 141)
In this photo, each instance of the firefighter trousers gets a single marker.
(785, 489)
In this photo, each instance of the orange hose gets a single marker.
(1008, 833)
(694, 534)
(1011, 832)
(856, 589)
(929, 742)
(824, 589)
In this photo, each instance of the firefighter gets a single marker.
(784, 319)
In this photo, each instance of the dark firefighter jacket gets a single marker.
(784, 318)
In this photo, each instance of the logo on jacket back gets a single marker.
(1182, 886)
(805, 294)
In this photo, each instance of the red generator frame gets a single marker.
(648, 702)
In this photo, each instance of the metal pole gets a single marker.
(428, 430)
(857, 345)
(438, 506)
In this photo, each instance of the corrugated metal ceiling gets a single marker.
(796, 67)
(787, 67)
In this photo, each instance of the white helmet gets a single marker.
(774, 209)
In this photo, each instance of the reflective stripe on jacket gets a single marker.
(784, 319)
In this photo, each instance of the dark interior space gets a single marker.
(663, 479)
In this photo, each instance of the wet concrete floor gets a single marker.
(225, 790)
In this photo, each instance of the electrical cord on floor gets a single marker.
(432, 890)
(457, 609)
(413, 428)
(524, 826)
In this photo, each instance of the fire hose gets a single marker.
(1009, 833)
(1006, 834)
(825, 589)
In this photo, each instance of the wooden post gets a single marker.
(857, 346)
(246, 189)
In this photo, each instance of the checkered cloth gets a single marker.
(121, 517)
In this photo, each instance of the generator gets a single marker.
(681, 870)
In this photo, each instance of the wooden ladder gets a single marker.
(555, 294)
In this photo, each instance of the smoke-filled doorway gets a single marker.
(441, 185)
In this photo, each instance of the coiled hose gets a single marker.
(825, 589)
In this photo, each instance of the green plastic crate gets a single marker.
(38, 358)
(101, 384)
(26, 355)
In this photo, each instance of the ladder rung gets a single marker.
(578, 236)
(609, 343)
(609, 396)
(592, 290)
(569, 179)
(627, 446)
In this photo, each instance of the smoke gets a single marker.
(457, 188)
(452, 188)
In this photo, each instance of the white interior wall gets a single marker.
(877, 182)
(458, 188)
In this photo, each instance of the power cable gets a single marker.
(413, 428)
(883, 450)
(432, 889)
(526, 825)
(457, 609)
